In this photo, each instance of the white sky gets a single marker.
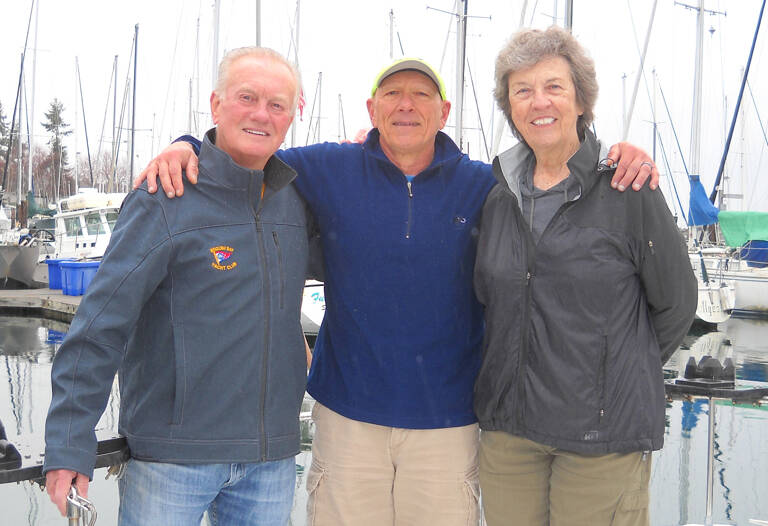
(348, 41)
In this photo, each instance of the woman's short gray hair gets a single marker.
(260, 52)
(528, 47)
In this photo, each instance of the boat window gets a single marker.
(73, 226)
(111, 218)
(93, 222)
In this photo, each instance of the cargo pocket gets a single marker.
(314, 479)
(632, 509)
(472, 489)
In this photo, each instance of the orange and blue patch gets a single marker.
(221, 258)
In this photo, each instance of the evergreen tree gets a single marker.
(58, 129)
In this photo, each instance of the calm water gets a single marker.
(678, 481)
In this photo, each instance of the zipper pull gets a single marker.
(410, 189)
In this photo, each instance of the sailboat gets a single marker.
(733, 276)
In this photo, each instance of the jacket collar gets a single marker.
(513, 164)
(445, 150)
(220, 167)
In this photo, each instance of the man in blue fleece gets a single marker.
(399, 348)
(199, 307)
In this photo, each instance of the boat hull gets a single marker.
(18, 264)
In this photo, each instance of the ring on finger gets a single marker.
(647, 163)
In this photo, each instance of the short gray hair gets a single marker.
(527, 48)
(258, 52)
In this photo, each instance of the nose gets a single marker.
(405, 103)
(540, 99)
(259, 112)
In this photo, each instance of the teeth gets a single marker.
(406, 124)
(256, 132)
(545, 120)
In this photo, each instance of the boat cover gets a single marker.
(700, 210)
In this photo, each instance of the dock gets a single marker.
(54, 305)
(46, 303)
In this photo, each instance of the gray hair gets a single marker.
(258, 52)
(528, 47)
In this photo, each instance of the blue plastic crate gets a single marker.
(77, 275)
(54, 271)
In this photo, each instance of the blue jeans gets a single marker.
(154, 493)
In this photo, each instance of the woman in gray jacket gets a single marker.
(587, 292)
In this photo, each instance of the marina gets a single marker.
(29, 339)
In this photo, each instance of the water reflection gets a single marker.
(741, 459)
(678, 483)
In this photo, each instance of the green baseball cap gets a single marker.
(413, 64)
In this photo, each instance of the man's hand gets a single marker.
(58, 482)
(634, 167)
(168, 165)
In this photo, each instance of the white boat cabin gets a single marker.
(84, 224)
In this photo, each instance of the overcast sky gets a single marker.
(349, 41)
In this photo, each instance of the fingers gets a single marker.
(145, 174)
(174, 174)
(634, 168)
(81, 484)
(165, 179)
(192, 169)
(57, 484)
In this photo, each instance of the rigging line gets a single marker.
(674, 132)
(757, 112)
(106, 108)
(85, 125)
(122, 111)
(18, 94)
(533, 12)
(669, 171)
(170, 74)
(477, 105)
(715, 189)
(448, 34)
(312, 113)
(628, 117)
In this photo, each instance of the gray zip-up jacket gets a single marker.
(197, 302)
(579, 324)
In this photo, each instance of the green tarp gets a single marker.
(740, 227)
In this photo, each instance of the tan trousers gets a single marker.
(368, 475)
(527, 484)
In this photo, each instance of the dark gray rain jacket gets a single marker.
(197, 302)
(579, 324)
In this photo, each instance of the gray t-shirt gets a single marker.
(539, 206)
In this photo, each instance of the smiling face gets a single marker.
(543, 106)
(408, 112)
(254, 110)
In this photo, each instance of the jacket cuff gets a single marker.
(69, 458)
(193, 141)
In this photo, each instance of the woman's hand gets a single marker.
(634, 167)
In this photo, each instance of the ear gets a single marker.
(445, 110)
(371, 114)
(215, 104)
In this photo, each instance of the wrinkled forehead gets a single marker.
(251, 68)
(413, 75)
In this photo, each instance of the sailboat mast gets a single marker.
(133, 103)
(258, 23)
(215, 60)
(461, 48)
(31, 100)
(696, 111)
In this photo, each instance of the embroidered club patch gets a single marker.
(221, 258)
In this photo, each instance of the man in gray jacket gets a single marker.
(199, 308)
